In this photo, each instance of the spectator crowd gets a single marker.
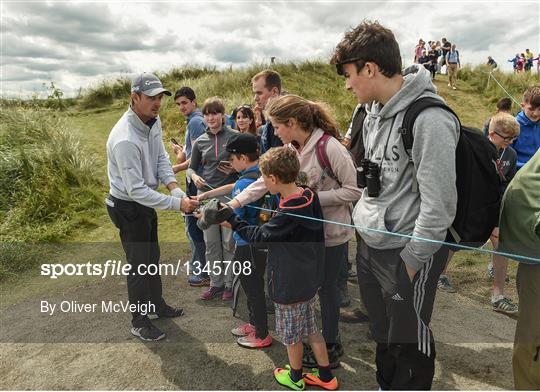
(275, 184)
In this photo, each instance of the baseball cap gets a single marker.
(242, 143)
(148, 84)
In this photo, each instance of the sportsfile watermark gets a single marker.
(120, 268)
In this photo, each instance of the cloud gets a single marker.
(80, 26)
(12, 73)
(76, 44)
(32, 47)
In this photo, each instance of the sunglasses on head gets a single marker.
(358, 60)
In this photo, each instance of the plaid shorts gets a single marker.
(295, 321)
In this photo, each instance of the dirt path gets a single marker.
(96, 350)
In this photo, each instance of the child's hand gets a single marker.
(177, 148)
(199, 181)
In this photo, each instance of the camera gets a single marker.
(361, 172)
(373, 179)
(368, 176)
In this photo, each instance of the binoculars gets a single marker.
(368, 176)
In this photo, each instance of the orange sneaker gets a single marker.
(313, 379)
(252, 341)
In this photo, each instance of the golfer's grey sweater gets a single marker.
(137, 162)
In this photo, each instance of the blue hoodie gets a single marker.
(528, 141)
(195, 128)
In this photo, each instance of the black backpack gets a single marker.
(477, 180)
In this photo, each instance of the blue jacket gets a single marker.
(247, 213)
(528, 141)
(295, 247)
(514, 61)
(195, 128)
(268, 138)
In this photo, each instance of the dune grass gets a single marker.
(514, 83)
(47, 183)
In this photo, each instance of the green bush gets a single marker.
(47, 182)
(105, 93)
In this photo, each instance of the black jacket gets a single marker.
(295, 247)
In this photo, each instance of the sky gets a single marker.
(78, 44)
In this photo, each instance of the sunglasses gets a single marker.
(359, 61)
(506, 138)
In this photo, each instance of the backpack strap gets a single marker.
(357, 148)
(406, 129)
(322, 157)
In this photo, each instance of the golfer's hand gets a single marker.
(188, 205)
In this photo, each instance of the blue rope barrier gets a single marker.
(412, 237)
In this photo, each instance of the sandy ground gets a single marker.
(96, 350)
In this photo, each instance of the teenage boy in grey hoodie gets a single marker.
(417, 198)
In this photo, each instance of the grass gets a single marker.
(47, 184)
(86, 124)
(46, 176)
(516, 84)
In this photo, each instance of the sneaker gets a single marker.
(211, 293)
(353, 316)
(199, 281)
(243, 330)
(309, 361)
(227, 295)
(351, 275)
(445, 285)
(166, 312)
(283, 377)
(344, 298)
(449, 85)
(312, 378)
(454, 88)
(251, 341)
(504, 305)
(148, 333)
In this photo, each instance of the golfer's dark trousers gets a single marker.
(138, 233)
(253, 285)
(400, 312)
